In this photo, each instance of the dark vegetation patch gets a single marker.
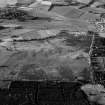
(41, 93)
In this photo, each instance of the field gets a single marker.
(49, 55)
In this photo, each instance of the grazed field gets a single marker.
(38, 56)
